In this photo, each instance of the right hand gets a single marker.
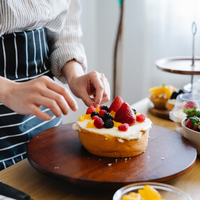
(27, 97)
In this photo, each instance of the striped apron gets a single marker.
(23, 56)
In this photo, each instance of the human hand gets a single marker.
(92, 84)
(27, 97)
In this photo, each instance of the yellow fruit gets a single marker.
(151, 193)
(90, 124)
(83, 117)
(116, 124)
(97, 109)
(113, 113)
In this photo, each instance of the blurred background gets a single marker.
(152, 30)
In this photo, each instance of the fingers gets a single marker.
(39, 114)
(102, 89)
(61, 95)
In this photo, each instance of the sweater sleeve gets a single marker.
(64, 44)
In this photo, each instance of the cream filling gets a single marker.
(133, 132)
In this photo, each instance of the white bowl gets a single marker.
(192, 135)
(166, 191)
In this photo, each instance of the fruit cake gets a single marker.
(160, 95)
(115, 131)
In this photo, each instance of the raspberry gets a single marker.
(98, 122)
(107, 116)
(188, 123)
(108, 123)
(140, 118)
(105, 108)
(102, 112)
(125, 115)
(90, 110)
(94, 113)
(123, 127)
(95, 116)
(116, 104)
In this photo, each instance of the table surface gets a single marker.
(24, 177)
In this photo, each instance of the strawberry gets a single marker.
(90, 110)
(188, 123)
(98, 122)
(125, 115)
(140, 118)
(116, 104)
(195, 128)
(123, 127)
(190, 104)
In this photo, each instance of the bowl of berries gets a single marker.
(191, 127)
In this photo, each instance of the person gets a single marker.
(40, 40)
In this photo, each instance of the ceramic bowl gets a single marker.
(166, 191)
(192, 135)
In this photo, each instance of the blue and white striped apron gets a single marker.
(23, 56)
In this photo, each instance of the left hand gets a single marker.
(93, 88)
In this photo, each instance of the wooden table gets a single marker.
(24, 177)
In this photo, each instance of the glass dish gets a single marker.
(166, 191)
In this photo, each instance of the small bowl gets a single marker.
(166, 191)
(192, 135)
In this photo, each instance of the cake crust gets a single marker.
(109, 146)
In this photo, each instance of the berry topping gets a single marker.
(189, 124)
(125, 115)
(102, 112)
(95, 116)
(106, 116)
(134, 110)
(140, 118)
(98, 122)
(101, 106)
(94, 113)
(105, 108)
(123, 127)
(108, 123)
(190, 104)
(116, 104)
(90, 110)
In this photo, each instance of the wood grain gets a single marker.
(57, 152)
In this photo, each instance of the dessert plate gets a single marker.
(57, 152)
(179, 65)
(162, 113)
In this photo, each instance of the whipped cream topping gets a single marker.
(172, 101)
(133, 132)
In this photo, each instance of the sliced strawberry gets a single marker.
(116, 104)
(188, 123)
(90, 110)
(125, 115)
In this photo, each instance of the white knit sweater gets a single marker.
(61, 20)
